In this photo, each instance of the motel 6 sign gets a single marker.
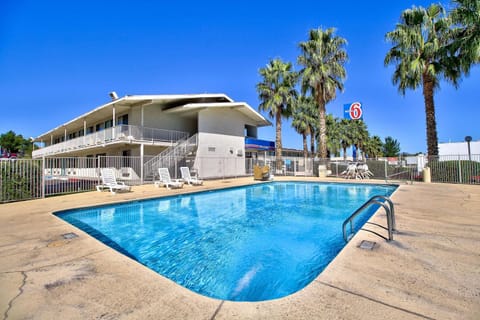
(353, 111)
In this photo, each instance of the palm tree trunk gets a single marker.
(322, 124)
(305, 147)
(432, 139)
(278, 139)
(312, 141)
(344, 153)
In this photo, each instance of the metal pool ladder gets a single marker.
(389, 209)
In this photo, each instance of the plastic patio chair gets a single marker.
(110, 182)
(166, 181)
(185, 172)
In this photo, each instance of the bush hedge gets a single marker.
(456, 171)
(19, 182)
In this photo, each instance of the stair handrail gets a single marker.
(172, 151)
(389, 209)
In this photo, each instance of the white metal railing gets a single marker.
(462, 168)
(170, 155)
(118, 133)
(20, 179)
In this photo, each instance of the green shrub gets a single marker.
(453, 171)
(19, 180)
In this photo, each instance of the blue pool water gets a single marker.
(250, 243)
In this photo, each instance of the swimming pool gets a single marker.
(251, 243)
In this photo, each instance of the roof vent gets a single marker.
(113, 95)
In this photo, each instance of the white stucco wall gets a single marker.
(458, 148)
(223, 121)
(221, 143)
(154, 117)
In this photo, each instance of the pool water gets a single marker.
(249, 243)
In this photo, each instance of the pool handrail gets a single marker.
(389, 209)
(392, 209)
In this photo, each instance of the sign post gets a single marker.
(353, 111)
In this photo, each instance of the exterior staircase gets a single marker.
(172, 158)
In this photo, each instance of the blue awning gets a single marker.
(259, 145)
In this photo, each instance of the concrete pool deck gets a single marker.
(430, 271)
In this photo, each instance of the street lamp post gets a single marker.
(468, 139)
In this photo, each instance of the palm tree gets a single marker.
(391, 147)
(277, 93)
(345, 135)
(303, 119)
(420, 58)
(359, 134)
(333, 138)
(466, 44)
(313, 135)
(373, 147)
(323, 57)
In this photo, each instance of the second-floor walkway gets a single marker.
(117, 134)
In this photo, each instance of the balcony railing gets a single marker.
(118, 133)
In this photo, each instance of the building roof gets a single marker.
(170, 102)
(242, 107)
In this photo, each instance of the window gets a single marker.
(90, 130)
(103, 159)
(81, 133)
(108, 124)
(99, 127)
(250, 131)
(126, 154)
(122, 119)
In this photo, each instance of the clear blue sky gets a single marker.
(59, 59)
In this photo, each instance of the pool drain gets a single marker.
(69, 235)
(367, 245)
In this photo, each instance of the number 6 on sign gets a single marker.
(353, 111)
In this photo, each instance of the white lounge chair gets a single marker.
(185, 171)
(363, 171)
(351, 172)
(110, 182)
(166, 181)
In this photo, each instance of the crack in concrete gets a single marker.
(217, 310)
(376, 300)
(10, 303)
(24, 281)
(54, 264)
